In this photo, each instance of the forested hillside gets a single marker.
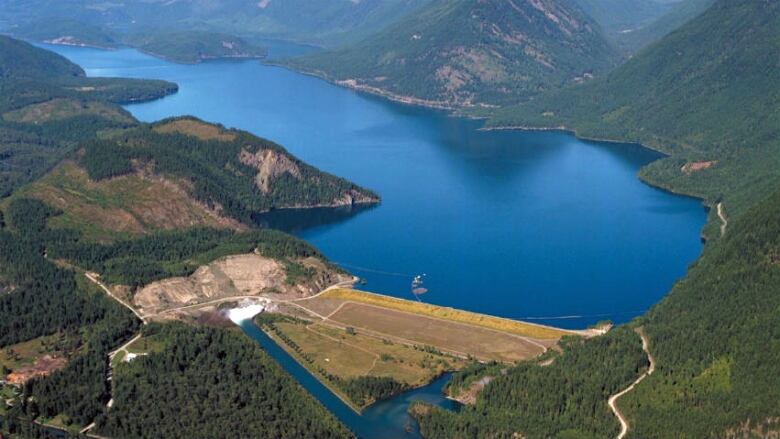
(715, 337)
(198, 371)
(619, 18)
(48, 106)
(706, 94)
(678, 14)
(211, 175)
(454, 53)
(48, 299)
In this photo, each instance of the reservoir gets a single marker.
(533, 225)
(539, 226)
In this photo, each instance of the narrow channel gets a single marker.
(386, 419)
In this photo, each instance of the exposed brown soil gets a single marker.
(469, 396)
(42, 367)
(238, 276)
(201, 130)
(691, 167)
(270, 165)
(133, 204)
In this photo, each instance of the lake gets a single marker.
(538, 226)
(532, 225)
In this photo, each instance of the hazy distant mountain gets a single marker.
(315, 21)
(679, 13)
(619, 17)
(465, 52)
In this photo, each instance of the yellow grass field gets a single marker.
(201, 130)
(450, 314)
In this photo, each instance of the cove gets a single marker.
(539, 226)
(386, 419)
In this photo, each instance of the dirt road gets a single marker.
(613, 399)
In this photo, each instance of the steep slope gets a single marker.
(462, 53)
(182, 173)
(19, 60)
(621, 17)
(715, 337)
(707, 94)
(678, 15)
(47, 106)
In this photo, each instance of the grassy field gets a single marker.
(196, 128)
(495, 323)
(24, 354)
(458, 338)
(57, 109)
(326, 350)
(353, 355)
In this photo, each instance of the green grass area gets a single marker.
(58, 109)
(23, 354)
(344, 360)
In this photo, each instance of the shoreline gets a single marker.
(455, 111)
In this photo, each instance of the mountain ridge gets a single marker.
(463, 53)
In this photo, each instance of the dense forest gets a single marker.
(715, 336)
(223, 172)
(565, 399)
(48, 299)
(208, 383)
(139, 261)
(29, 76)
(704, 93)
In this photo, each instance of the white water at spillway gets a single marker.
(244, 313)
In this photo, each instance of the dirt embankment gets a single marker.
(42, 367)
(237, 276)
(469, 396)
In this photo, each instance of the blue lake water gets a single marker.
(532, 225)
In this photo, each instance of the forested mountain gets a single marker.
(47, 106)
(19, 60)
(707, 94)
(185, 46)
(454, 53)
(256, 396)
(678, 14)
(621, 17)
(178, 173)
(714, 338)
(312, 21)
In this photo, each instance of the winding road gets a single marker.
(723, 221)
(613, 399)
